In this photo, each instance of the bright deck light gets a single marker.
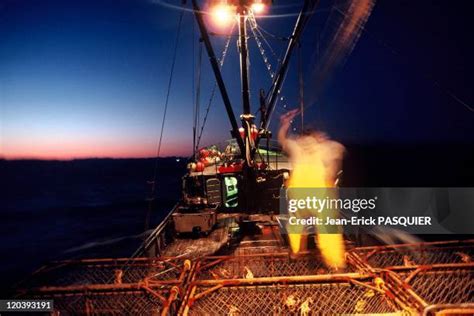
(258, 7)
(222, 14)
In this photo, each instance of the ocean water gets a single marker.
(54, 210)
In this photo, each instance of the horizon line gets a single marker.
(87, 158)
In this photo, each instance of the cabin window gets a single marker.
(231, 192)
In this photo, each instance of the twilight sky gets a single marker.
(88, 78)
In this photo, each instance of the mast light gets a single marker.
(258, 7)
(223, 12)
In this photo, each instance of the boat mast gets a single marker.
(217, 73)
(246, 117)
(243, 9)
(244, 74)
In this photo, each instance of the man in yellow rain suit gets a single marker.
(315, 161)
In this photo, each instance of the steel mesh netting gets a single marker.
(261, 266)
(419, 256)
(244, 251)
(107, 303)
(449, 281)
(454, 286)
(101, 272)
(106, 286)
(307, 299)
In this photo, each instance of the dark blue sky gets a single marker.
(88, 78)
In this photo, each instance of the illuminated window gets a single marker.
(231, 192)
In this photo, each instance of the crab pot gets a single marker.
(293, 299)
(428, 278)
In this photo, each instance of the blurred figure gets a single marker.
(316, 161)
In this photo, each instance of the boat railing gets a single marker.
(156, 238)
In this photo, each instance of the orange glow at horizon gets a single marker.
(67, 150)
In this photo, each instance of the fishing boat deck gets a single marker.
(266, 237)
(405, 279)
(282, 163)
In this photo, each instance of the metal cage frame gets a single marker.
(425, 278)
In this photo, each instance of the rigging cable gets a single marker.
(268, 65)
(170, 81)
(193, 79)
(254, 27)
(213, 92)
(301, 84)
(198, 99)
(277, 37)
(278, 58)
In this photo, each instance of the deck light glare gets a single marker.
(222, 14)
(258, 7)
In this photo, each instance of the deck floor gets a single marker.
(264, 238)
